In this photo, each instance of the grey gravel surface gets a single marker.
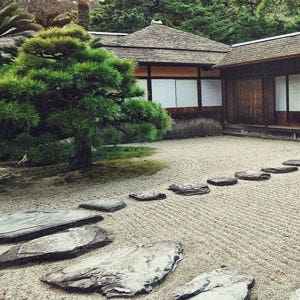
(251, 226)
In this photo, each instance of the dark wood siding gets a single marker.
(269, 99)
(245, 102)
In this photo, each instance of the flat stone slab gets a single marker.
(295, 295)
(220, 284)
(108, 205)
(66, 244)
(222, 181)
(189, 189)
(27, 225)
(292, 162)
(278, 170)
(148, 195)
(252, 175)
(124, 272)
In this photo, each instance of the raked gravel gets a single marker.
(253, 226)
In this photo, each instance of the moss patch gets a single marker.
(121, 152)
(101, 172)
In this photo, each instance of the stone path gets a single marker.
(107, 205)
(251, 226)
(26, 225)
(220, 284)
(127, 271)
(189, 189)
(66, 244)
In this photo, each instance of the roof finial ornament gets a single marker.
(154, 22)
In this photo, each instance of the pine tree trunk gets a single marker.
(84, 13)
(82, 158)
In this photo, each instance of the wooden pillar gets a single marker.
(149, 83)
(199, 87)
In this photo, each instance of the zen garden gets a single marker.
(150, 149)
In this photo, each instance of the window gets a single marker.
(142, 83)
(280, 91)
(186, 93)
(211, 91)
(171, 93)
(294, 93)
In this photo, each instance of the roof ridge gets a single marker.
(267, 39)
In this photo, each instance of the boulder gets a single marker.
(222, 181)
(148, 195)
(27, 225)
(292, 162)
(62, 245)
(124, 272)
(278, 170)
(220, 284)
(252, 175)
(189, 189)
(295, 295)
(108, 205)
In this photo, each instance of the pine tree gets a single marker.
(78, 89)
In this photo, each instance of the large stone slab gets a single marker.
(295, 295)
(278, 170)
(222, 181)
(189, 189)
(148, 195)
(292, 162)
(125, 272)
(66, 244)
(27, 225)
(252, 175)
(108, 205)
(220, 284)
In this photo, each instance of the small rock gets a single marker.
(295, 295)
(27, 225)
(222, 181)
(148, 195)
(220, 284)
(124, 272)
(252, 175)
(280, 170)
(189, 189)
(109, 205)
(292, 162)
(62, 245)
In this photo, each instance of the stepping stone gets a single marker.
(124, 272)
(189, 189)
(278, 170)
(27, 225)
(220, 284)
(295, 295)
(66, 244)
(252, 175)
(109, 205)
(292, 162)
(148, 195)
(222, 181)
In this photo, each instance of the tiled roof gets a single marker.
(162, 44)
(283, 46)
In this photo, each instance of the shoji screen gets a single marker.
(186, 93)
(163, 92)
(294, 93)
(211, 91)
(280, 91)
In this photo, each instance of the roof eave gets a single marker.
(225, 66)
